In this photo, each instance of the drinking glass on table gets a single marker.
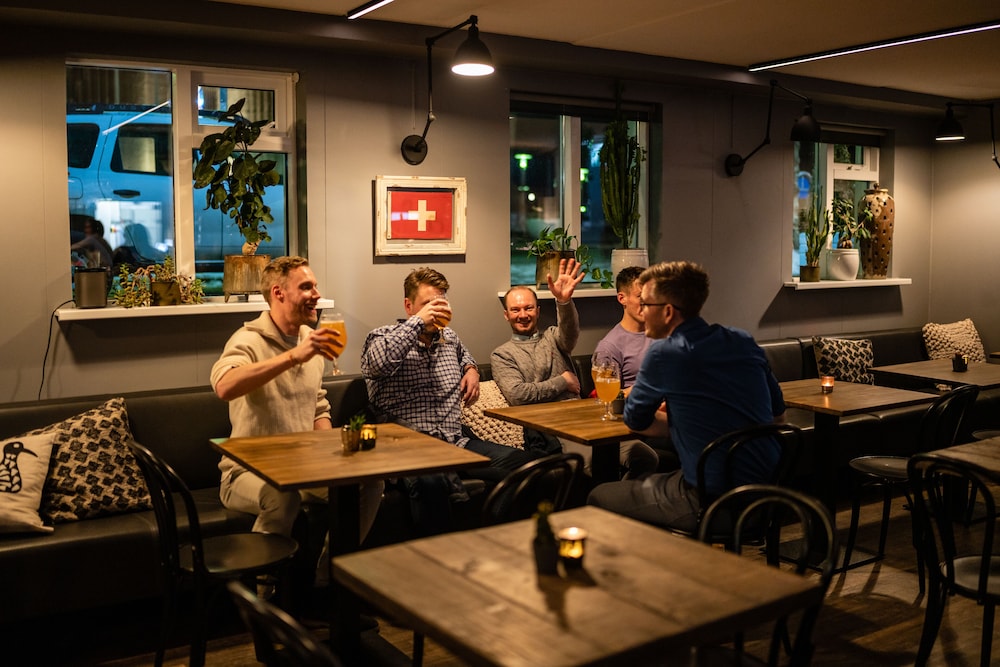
(595, 367)
(608, 385)
(335, 321)
(444, 318)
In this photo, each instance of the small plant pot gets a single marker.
(350, 439)
(164, 293)
(809, 274)
(548, 264)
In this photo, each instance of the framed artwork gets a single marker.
(419, 215)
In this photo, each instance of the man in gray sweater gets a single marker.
(536, 366)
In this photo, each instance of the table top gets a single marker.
(983, 453)
(315, 458)
(642, 591)
(983, 375)
(578, 420)
(848, 398)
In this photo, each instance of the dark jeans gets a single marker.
(503, 460)
(662, 499)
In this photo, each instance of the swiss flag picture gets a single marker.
(420, 213)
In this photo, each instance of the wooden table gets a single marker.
(642, 592)
(983, 375)
(847, 398)
(311, 459)
(578, 420)
(983, 453)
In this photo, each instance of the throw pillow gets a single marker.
(22, 476)
(846, 360)
(488, 428)
(93, 471)
(944, 340)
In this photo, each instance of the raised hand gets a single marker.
(570, 275)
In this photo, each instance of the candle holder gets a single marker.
(369, 435)
(960, 362)
(826, 384)
(571, 547)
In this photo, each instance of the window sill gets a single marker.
(579, 293)
(212, 306)
(840, 284)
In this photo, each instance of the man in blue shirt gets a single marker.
(698, 381)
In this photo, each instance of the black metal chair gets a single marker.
(779, 509)
(186, 557)
(553, 478)
(938, 488)
(940, 426)
(279, 639)
(738, 443)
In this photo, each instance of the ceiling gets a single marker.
(738, 33)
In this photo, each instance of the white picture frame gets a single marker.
(419, 215)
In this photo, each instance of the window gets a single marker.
(555, 181)
(132, 135)
(844, 167)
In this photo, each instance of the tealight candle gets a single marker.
(826, 384)
(369, 434)
(571, 546)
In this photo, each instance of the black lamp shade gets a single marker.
(806, 128)
(472, 58)
(950, 129)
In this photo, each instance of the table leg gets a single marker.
(345, 537)
(605, 463)
(827, 435)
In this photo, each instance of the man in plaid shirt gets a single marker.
(419, 373)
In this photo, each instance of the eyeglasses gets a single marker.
(643, 306)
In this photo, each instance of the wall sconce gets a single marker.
(806, 128)
(471, 59)
(951, 130)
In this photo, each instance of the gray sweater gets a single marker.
(530, 370)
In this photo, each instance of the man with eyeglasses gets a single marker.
(698, 381)
(536, 367)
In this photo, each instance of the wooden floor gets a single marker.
(873, 616)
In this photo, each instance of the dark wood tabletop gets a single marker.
(315, 458)
(983, 453)
(983, 375)
(848, 398)
(578, 420)
(642, 592)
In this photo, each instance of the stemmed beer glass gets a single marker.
(335, 321)
(608, 384)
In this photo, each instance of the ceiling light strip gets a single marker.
(370, 6)
(872, 46)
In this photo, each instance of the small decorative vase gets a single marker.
(809, 274)
(546, 555)
(350, 439)
(876, 252)
(548, 264)
(164, 293)
(624, 257)
(844, 264)
(241, 274)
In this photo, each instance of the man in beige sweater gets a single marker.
(271, 373)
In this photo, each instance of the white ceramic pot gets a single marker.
(844, 264)
(620, 258)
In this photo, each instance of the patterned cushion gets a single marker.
(846, 360)
(944, 340)
(487, 428)
(22, 476)
(93, 471)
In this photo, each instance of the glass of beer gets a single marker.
(608, 385)
(443, 319)
(335, 321)
(595, 367)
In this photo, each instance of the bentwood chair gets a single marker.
(741, 443)
(551, 478)
(187, 558)
(971, 570)
(779, 509)
(279, 639)
(940, 427)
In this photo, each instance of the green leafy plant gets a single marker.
(849, 227)
(133, 288)
(356, 422)
(621, 159)
(556, 239)
(814, 222)
(236, 178)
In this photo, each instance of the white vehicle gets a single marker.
(121, 173)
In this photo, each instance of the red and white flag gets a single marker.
(420, 214)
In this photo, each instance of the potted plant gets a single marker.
(815, 225)
(845, 258)
(554, 244)
(156, 285)
(350, 433)
(621, 158)
(236, 180)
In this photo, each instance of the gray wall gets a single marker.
(354, 111)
